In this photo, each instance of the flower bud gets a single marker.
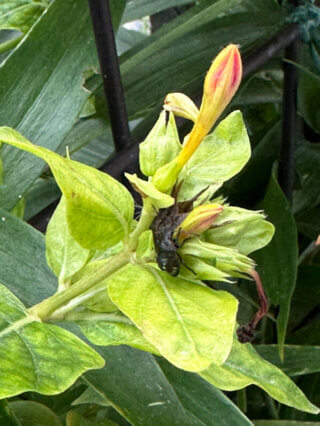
(181, 105)
(199, 220)
(221, 83)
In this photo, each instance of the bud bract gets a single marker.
(181, 105)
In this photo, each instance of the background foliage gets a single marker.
(51, 92)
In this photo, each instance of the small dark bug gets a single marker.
(163, 228)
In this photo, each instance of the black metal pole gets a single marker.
(289, 121)
(109, 64)
(253, 60)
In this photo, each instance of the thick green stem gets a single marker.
(44, 309)
(147, 215)
(62, 302)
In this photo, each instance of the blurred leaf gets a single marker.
(308, 93)
(7, 417)
(308, 166)
(298, 360)
(90, 396)
(20, 14)
(38, 345)
(32, 413)
(306, 295)
(176, 330)
(250, 182)
(41, 193)
(75, 419)
(277, 262)
(307, 335)
(309, 223)
(45, 99)
(245, 367)
(23, 266)
(283, 423)
(99, 209)
(136, 9)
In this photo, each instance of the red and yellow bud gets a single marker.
(221, 83)
(181, 105)
(199, 220)
(317, 242)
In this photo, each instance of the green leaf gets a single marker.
(23, 266)
(7, 417)
(137, 9)
(161, 145)
(35, 369)
(147, 189)
(91, 396)
(298, 360)
(307, 161)
(306, 295)
(203, 400)
(245, 367)
(64, 255)
(111, 329)
(240, 229)
(32, 413)
(137, 388)
(99, 209)
(308, 91)
(57, 51)
(189, 324)
(283, 423)
(277, 263)
(220, 156)
(20, 14)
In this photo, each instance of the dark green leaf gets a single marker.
(203, 400)
(136, 9)
(32, 413)
(57, 51)
(277, 262)
(23, 266)
(298, 360)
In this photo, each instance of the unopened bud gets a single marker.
(221, 83)
(181, 105)
(199, 220)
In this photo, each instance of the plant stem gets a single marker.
(44, 309)
(147, 215)
(66, 300)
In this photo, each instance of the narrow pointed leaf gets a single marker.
(277, 263)
(245, 367)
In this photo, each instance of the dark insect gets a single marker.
(163, 228)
